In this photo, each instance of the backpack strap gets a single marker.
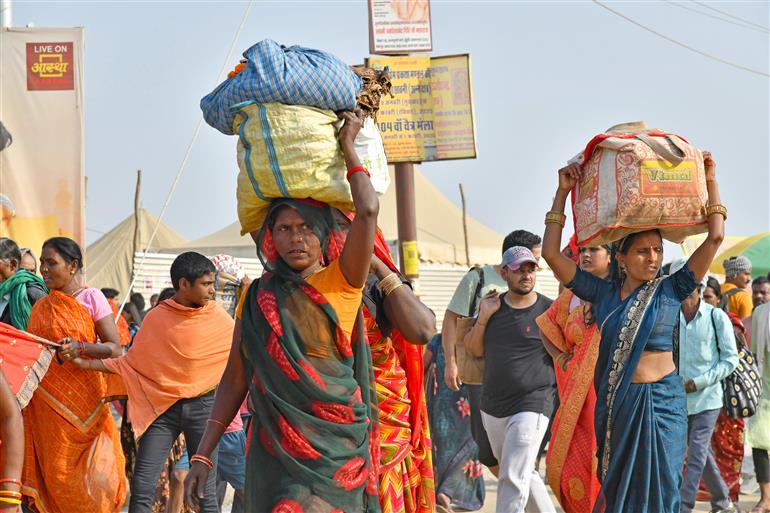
(716, 333)
(477, 293)
(723, 302)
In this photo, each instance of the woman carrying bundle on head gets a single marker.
(641, 411)
(308, 371)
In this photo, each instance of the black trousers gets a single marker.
(486, 457)
(186, 416)
(761, 465)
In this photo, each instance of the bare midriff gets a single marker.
(654, 366)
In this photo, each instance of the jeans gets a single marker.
(761, 465)
(479, 434)
(515, 442)
(186, 416)
(700, 462)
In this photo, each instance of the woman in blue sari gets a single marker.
(641, 410)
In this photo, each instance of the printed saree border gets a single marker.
(82, 425)
(569, 413)
(33, 379)
(620, 355)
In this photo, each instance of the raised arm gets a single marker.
(563, 268)
(357, 254)
(231, 392)
(701, 259)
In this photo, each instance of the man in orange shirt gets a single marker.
(734, 295)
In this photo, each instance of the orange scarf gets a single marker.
(178, 353)
(72, 455)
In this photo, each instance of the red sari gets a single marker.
(571, 459)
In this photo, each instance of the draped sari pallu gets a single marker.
(406, 483)
(313, 437)
(641, 429)
(72, 455)
(571, 460)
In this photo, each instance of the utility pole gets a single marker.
(6, 14)
(407, 222)
(465, 228)
(137, 234)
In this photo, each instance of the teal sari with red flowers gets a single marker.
(312, 444)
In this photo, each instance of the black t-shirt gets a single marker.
(518, 372)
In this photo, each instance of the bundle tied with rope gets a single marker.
(375, 85)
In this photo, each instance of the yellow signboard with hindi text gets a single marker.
(430, 116)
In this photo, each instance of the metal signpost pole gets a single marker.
(407, 221)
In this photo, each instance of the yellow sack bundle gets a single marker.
(292, 151)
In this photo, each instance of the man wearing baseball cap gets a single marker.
(734, 294)
(517, 397)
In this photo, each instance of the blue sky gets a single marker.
(547, 76)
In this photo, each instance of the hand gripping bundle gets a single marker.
(635, 179)
(281, 103)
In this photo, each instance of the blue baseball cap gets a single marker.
(516, 256)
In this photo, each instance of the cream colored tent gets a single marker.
(439, 231)
(109, 259)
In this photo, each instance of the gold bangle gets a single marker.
(555, 217)
(390, 283)
(716, 209)
(392, 290)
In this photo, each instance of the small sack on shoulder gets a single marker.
(469, 367)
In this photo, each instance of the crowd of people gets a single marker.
(330, 390)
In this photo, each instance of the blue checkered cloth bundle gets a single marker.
(292, 75)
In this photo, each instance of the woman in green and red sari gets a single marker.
(312, 441)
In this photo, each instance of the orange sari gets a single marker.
(72, 455)
(571, 460)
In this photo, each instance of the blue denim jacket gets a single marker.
(701, 360)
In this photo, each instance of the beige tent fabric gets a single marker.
(439, 231)
(109, 259)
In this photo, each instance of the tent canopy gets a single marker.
(439, 231)
(109, 259)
